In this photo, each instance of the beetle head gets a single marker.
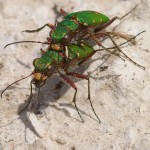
(39, 79)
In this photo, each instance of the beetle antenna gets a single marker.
(14, 83)
(26, 42)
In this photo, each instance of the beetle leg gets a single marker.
(105, 25)
(29, 99)
(67, 80)
(98, 43)
(118, 48)
(86, 58)
(81, 76)
(102, 26)
(42, 51)
(39, 29)
(98, 35)
(63, 12)
(49, 40)
(124, 36)
(129, 40)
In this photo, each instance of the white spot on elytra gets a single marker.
(85, 24)
(78, 54)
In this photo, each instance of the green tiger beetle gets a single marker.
(52, 62)
(61, 37)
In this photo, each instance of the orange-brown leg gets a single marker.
(67, 80)
(81, 76)
(39, 29)
(63, 12)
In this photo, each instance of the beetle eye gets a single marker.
(37, 76)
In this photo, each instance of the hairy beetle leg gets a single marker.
(117, 47)
(81, 76)
(98, 29)
(121, 35)
(105, 25)
(98, 43)
(86, 58)
(67, 80)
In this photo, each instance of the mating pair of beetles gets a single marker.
(69, 47)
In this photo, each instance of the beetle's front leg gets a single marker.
(39, 29)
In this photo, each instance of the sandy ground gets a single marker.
(120, 94)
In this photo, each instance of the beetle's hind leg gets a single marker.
(100, 28)
(81, 76)
(118, 49)
(67, 80)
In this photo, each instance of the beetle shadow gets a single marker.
(57, 13)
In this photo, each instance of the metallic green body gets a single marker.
(58, 33)
(46, 60)
(63, 28)
(75, 52)
(73, 21)
(79, 51)
(88, 18)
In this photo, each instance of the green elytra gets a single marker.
(76, 21)
(88, 18)
(63, 28)
(75, 52)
